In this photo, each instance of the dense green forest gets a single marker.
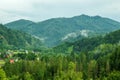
(12, 39)
(56, 30)
(94, 58)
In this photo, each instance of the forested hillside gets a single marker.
(87, 44)
(59, 39)
(96, 58)
(56, 30)
(12, 39)
(90, 43)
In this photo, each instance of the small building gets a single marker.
(12, 61)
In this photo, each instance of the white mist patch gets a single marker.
(84, 33)
(41, 39)
(70, 35)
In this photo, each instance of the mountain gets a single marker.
(20, 24)
(12, 39)
(89, 44)
(56, 30)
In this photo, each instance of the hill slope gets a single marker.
(88, 44)
(11, 39)
(56, 30)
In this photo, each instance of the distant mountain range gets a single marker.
(56, 30)
(12, 39)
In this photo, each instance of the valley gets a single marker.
(78, 48)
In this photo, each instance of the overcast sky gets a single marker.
(38, 10)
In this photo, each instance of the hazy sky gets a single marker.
(38, 10)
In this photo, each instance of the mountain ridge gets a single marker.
(53, 30)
